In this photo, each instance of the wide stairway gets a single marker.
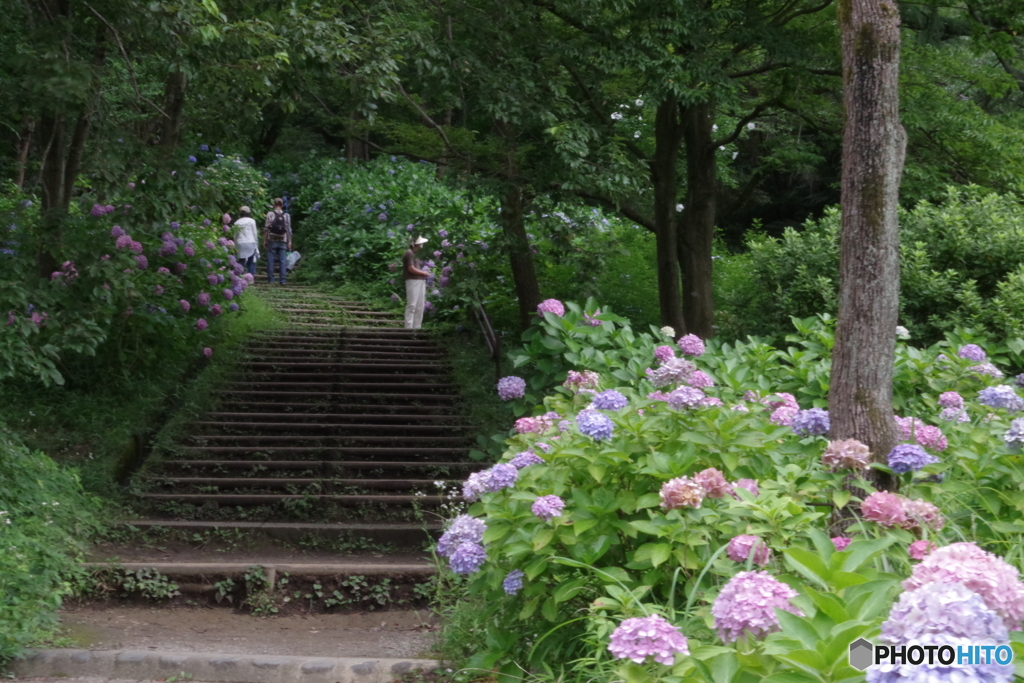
(311, 490)
(343, 424)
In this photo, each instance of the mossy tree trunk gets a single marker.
(667, 136)
(874, 144)
(697, 233)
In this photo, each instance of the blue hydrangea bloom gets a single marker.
(513, 583)
(463, 529)
(610, 400)
(467, 558)
(501, 476)
(525, 459)
(972, 352)
(595, 425)
(936, 615)
(1014, 436)
(1002, 396)
(811, 422)
(907, 456)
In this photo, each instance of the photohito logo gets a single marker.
(863, 654)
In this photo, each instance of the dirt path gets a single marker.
(392, 634)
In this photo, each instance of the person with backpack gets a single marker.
(277, 240)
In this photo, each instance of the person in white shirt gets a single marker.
(246, 239)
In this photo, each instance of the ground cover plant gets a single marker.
(44, 518)
(662, 496)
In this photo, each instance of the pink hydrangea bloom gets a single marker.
(746, 606)
(527, 425)
(123, 241)
(691, 345)
(701, 379)
(207, 352)
(713, 482)
(663, 353)
(642, 637)
(201, 324)
(847, 454)
(681, 492)
(840, 543)
(995, 581)
(748, 484)
(672, 371)
(918, 550)
(711, 401)
(951, 399)
(551, 306)
(740, 547)
(931, 437)
(216, 309)
(588, 379)
(784, 415)
(884, 508)
(777, 400)
(922, 514)
(185, 305)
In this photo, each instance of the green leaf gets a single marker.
(648, 527)
(841, 497)
(542, 538)
(550, 609)
(798, 627)
(656, 553)
(569, 589)
(808, 564)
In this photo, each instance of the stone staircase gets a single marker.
(335, 450)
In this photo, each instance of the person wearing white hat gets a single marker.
(415, 284)
(246, 236)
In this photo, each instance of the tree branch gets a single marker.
(742, 123)
(602, 119)
(426, 118)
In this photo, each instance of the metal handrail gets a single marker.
(492, 340)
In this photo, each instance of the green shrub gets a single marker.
(960, 266)
(616, 552)
(44, 519)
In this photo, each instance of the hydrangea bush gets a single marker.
(716, 516)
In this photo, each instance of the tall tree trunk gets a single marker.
(355, 148)
(874, 145)
(52, 206)
(698, 225)
(520, 259)
(27, 129)
(175, 88)
(74, 156)
(274, 118)
(667, 136)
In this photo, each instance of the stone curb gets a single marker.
(227, 668)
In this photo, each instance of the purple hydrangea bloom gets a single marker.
(212, 279)
(594, 424)
(203, 299)
(551, 306)
(701, 379)
(642, 637)
(201, 324)
(475, 485)
(746, 605)
(442, 233)
(513, 582)
(811, 422)
(525, 459)
(954, 415)
(691, 345)
(463, 529)
(685, 397)
(467, 558)
(511, 387)
(907, 456)
(783, 415)
(951, 399)
(672, 371)
(741, 546)
(233, 307)
(663, 353)
(1002, 396)
(117, 231)
(1019, 380)
(972, 352)
(1014, 436)
(548, 507)
(610, 400)
(228, 294)
(501, 476)
(986, 369)
(937, 615)
(141, 262)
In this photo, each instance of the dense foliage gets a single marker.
(358, 220)
(961, 265)
(44, 519)
(656, 472)
(137, 273)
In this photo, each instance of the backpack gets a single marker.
(277, 226)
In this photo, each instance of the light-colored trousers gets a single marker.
(415, 295)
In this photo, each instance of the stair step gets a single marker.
(232, 499)
(422, 386)
(341, 440)
(334, 418)
(292, 568)
(321, 464)
(332, 426)
(348, 450)
(282, 482)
